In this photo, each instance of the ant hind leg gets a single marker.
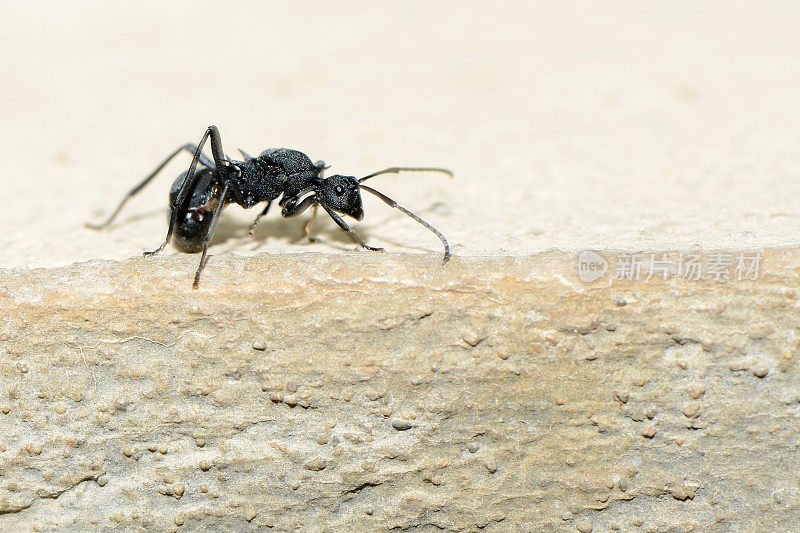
(133, 192)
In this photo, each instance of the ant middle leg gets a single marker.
(307, 227)
(252, 229)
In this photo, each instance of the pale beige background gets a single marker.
(635, 125)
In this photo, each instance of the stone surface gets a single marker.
(306, 387)
(395, 393)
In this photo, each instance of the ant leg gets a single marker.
(293, 209)
(342, 224)
(252, 229)
(209, 234)
(133, 192)
(307, 228)
(191, 178)
(296, 209)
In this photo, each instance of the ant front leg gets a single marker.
(292, 210)
(342, 224)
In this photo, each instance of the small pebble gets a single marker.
(249, 514)
(178, 520)
(401, 425)
(316, 464)
(649, 432)
(760, 371)
(491, 466)
(33, 449)
(736, 366)
(472, 447)
(621, 396)
(584, 525)
(691, 410)
(61, 408)
(472, 338)
(695, 391)
(178, 489)
(260, 346)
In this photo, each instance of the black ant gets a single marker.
(198, 197)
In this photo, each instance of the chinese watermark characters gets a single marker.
(716, 266)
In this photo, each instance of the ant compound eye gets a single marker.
(339, 190)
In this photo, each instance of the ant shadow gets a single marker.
(291, 230)
(324, 231)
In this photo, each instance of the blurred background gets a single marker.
(571, 125)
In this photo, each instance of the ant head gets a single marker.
(341, 193)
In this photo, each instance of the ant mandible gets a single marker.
(198, 196)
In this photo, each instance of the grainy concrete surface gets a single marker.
(497, 396)
(310, 387)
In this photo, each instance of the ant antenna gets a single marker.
(395, 170)
(406, 211)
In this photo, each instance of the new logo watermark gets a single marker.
(591, 266)
(716, 266)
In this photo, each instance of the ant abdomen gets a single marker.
(195, 218)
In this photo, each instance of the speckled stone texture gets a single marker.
(386, 392)
(308, 387)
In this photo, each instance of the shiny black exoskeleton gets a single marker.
(199, 195)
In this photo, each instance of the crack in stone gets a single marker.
(48, 496)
